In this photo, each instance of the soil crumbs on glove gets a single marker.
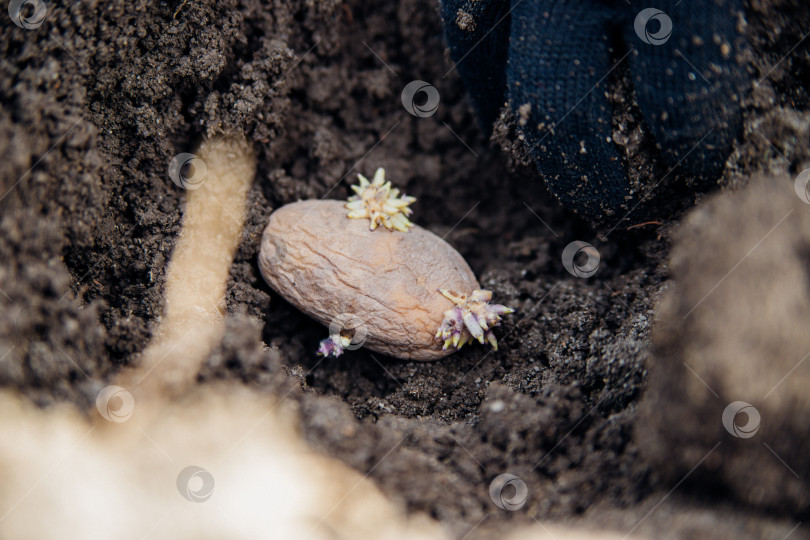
(100, 98)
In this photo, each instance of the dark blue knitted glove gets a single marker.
(550, 60)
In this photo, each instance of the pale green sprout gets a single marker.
(380, 203)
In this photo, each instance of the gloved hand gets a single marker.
(550, 60)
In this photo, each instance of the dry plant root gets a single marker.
(196, 281)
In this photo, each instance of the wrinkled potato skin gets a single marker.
(326, 264)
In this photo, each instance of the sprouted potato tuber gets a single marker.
(398, 289)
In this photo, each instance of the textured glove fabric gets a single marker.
(477, 34)
(550, 60)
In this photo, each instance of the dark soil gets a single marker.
(97, 101)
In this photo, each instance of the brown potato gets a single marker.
(385, 282)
